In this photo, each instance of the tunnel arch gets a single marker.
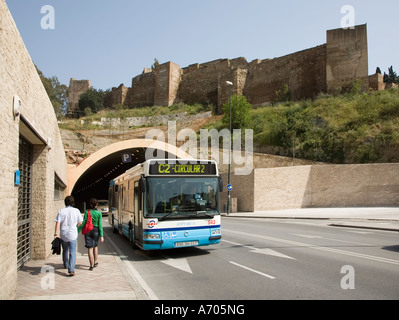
(111, 154)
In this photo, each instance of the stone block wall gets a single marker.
(242, 191)
(37, 123)
(376, 82)
(347, 57)
(303, 72)
(199, 82)
(167, 80)
(249, 189)
(367, 185)
(281, 188)
(142, 91)
(76, 88)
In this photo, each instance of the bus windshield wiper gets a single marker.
(204, 213)
(165, 216)
(196, 214)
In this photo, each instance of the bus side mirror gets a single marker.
(220, 184)
(143, 183)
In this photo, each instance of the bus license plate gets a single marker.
(186, 243)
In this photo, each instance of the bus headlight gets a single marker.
(216, 232)
(151, 236)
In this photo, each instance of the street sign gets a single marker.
(229, 187)
(126, 157)
(17, 178)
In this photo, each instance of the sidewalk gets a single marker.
(382, 218)
(111, 280)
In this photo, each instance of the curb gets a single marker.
(361, 220)
(363, 227)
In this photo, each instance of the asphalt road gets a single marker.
(269, 259)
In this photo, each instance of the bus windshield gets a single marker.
(182, 197)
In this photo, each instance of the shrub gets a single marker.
(240, 112)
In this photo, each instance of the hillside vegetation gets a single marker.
(351, 128)
(348, 128)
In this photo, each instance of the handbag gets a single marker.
(89, 224)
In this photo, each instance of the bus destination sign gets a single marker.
(175, 168)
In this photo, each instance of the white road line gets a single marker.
(133, 272)
(312, 246)
(359, 243)
(252, 270)
(266, 251)
(308, 236)
(359, 232)
(332, 239)
(238, 244)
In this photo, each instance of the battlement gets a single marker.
(307, 73)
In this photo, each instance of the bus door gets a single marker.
(121, 195)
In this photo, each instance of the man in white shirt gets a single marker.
(67, 221)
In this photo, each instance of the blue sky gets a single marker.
(110, 42)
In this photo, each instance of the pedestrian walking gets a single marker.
(93, 236)
(67, 221)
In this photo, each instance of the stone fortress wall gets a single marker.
(76, 88)
(336, 64)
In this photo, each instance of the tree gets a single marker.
(57, 93)
(283, 95)
(155, 65)
(92, 99)
(392, 77)
(240, 112)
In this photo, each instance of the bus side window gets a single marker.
(131, 197)
(136, 198)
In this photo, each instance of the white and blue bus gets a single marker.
(165, 204)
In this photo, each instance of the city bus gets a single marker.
(166, 204)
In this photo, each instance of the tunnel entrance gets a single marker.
(94, 182)
(91, 178)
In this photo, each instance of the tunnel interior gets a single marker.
(94, 182)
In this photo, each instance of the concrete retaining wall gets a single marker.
(326, 186)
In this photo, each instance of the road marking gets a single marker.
(360, 232)
(134, 274)
(252, 270)
(307, 236)
(181, 264)
(266, 251)
(312, 246)
(271, 252)
(338, 240)
(238, 244)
